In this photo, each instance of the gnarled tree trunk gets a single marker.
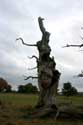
(48, 76)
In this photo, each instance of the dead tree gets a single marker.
(48, 76)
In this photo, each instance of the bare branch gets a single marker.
(65, 46)
(25, 43)
(81, 45)
(32, 68)
(32, 77)
(33, 57)
(80, 74)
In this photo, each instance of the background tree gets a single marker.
(4, 86)
(9, 88)
(68, 90)
(20, 89)
(74, 91)
(28, 88)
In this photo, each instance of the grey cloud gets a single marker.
(12, 9)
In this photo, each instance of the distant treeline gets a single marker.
(28, 88)
(67, 90)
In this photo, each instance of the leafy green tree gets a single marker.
(28, 88)
(21, 89)
(68, 90)
(8, 89)
(74, 91)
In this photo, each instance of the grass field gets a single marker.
(14, 109)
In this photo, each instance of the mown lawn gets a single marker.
(14, 109)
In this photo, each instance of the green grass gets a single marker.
(76, 100)
(19, 99)
(14, 107)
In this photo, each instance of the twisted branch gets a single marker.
(37, 60)
(25, 43)
(33, 57)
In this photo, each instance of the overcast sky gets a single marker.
(63, 19)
